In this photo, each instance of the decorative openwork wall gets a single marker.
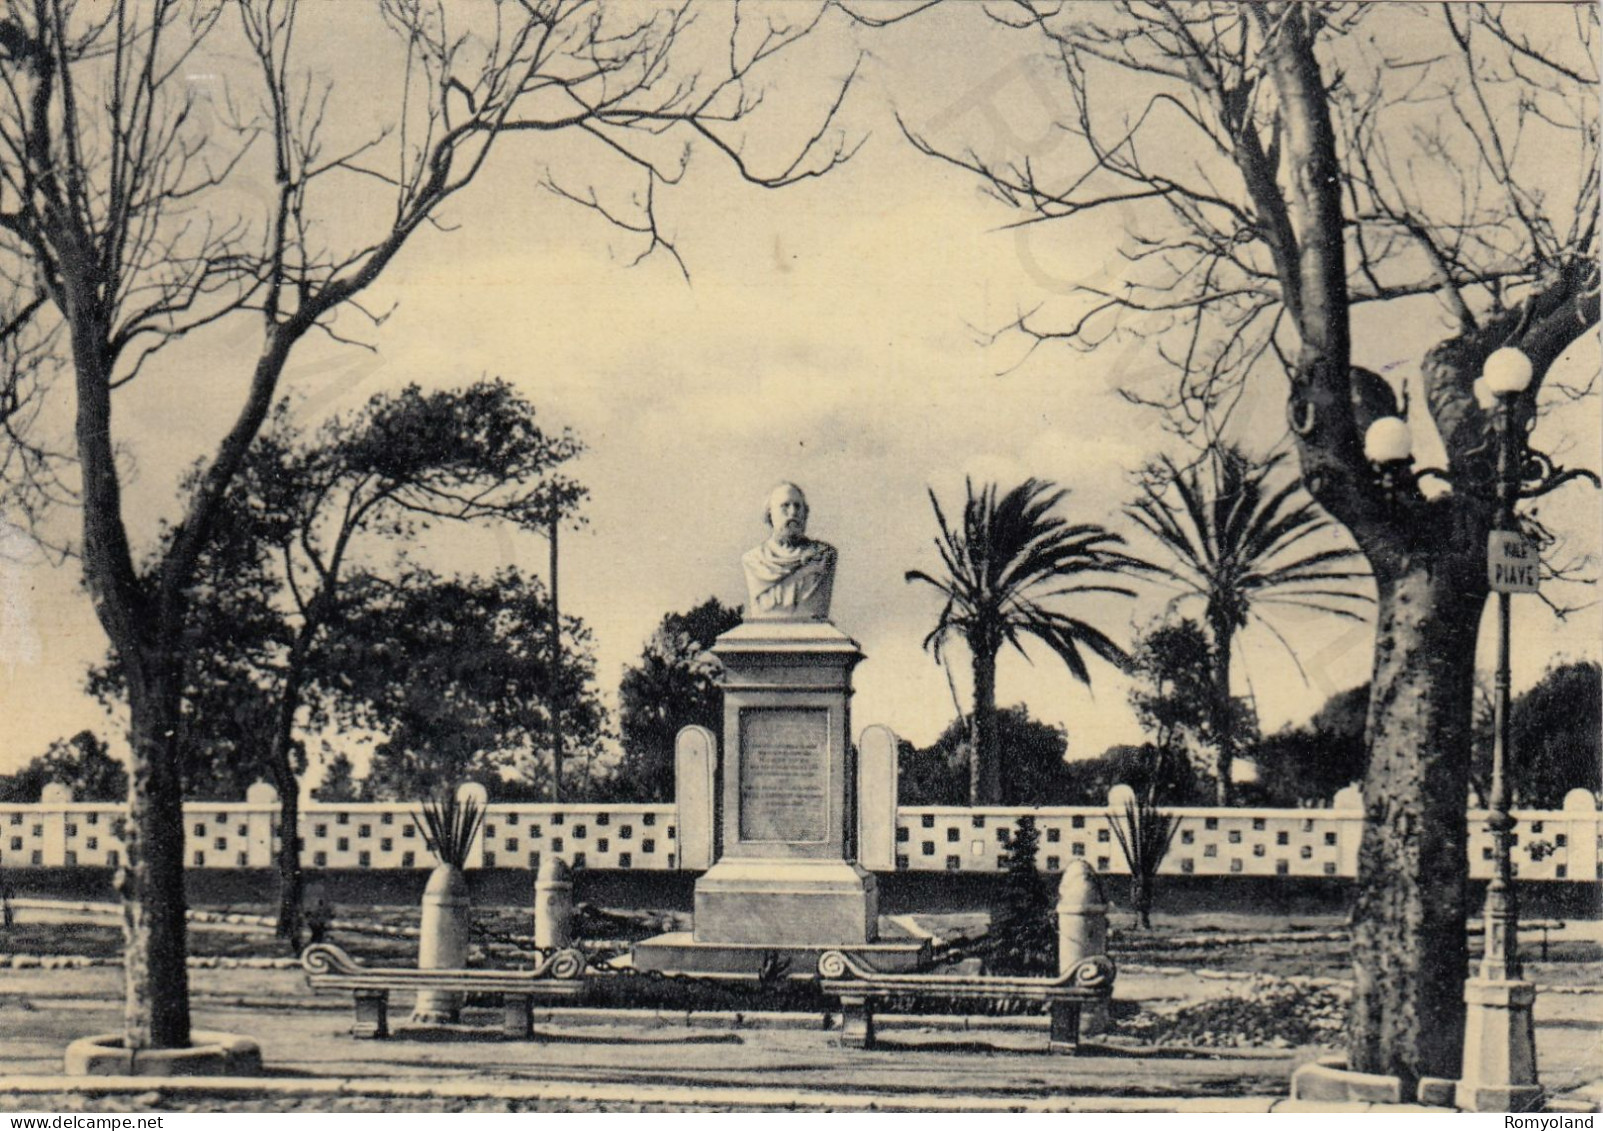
(586, 836)
(1557, 845)
(59, 832)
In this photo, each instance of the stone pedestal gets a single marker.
(824, 903)
(1499, 1048)
(553, 904)
(1083, 932)
(444, 926)
(787, 871)
(786, 880)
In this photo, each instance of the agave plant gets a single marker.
(450, 827)
(1144, 834)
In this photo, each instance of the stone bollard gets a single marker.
(1082, 930)
(443, 942)
(553, 903)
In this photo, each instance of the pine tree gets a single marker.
(339, 780)
(1021, 918)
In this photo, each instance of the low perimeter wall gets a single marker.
(1319, 844)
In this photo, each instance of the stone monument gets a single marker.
(786, 879)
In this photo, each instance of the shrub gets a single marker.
(1023, 934)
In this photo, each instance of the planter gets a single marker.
(443, 942)
(1329, 1080)
(208, 1054)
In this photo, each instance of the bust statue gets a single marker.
(790, 576)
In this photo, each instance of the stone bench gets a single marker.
(1527, 926)
(558, 975)
(863, 991)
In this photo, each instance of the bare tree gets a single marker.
(1282, 167)
(122, 231)
(35, 469)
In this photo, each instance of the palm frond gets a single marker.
(1286, 644)
(1231, 537)
(1012, 559)
(1314, 606)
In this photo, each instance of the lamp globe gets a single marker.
(1508, 371)
(1388, 441)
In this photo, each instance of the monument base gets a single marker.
(745, 906)
(806, 903)
(1499, 1048)
(680, 953)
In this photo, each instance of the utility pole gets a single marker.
(554, 642)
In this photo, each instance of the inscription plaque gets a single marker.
(784, 774)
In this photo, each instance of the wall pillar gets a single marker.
(876, 799)
(695, 764)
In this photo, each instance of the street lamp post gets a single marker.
(1499, 1066)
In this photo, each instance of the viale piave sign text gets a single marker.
(1511, 563)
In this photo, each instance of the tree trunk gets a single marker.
(985, 774)
(291, 881)
(1224, 716)
(974, 786)
(143, 625)
(151, 882)
(1409, 947)
(279, 756)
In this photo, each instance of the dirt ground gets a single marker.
(1178, 964)
(1307, 945)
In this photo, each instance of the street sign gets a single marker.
(1511, 563)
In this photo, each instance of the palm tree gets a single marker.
(1240, 543)
(1005, 568)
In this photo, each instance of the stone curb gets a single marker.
(581, 1091)
(725, 1020)
(586, 1092)
(84, 962)
(209, 1054)
(725, 1095)
(720, 1096)
(1312, 981)
(1203, 942)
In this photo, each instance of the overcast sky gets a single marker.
(833, 334)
